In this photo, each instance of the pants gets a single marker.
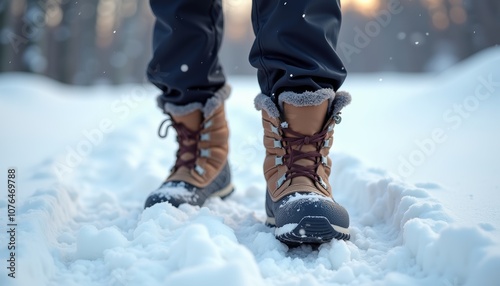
(294, 48)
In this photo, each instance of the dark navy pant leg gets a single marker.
(295, 43)
(186, 39)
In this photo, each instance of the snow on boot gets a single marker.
(201, 169)
(297, 136)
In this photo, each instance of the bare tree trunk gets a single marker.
(4, 20)
(16, 39)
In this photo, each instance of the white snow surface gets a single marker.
(87, 157)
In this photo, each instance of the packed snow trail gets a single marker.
(85, 224)
(88, 227)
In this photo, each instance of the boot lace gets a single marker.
(295, 154)
(183, 135)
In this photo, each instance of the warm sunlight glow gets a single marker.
(237, 18)
(458, 14)
(443, 14)
(367, 4)
(106, 13)
(440, 20)
(366, 7)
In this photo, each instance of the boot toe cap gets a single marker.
(293, 208)
(309, 218)
(174, 193)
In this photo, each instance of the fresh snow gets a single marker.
(87, 158)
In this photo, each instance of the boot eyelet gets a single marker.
(337, 119)
(199, 170)
(280, 181)
(277, 144)
(324, 160)
(274, 129)
(205, 153)
(322, 183)
(208, 124)
(278, 161)
(205, 137)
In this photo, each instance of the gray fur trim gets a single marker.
(217, 100)
(180, 110)
(264, 102)
(342, 99)
(210, 106)
(307, 98)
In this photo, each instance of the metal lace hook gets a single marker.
(164, 134)
(337, 118)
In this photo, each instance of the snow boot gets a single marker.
(298, 134)
(201, 169)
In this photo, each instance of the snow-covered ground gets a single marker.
(416, 163)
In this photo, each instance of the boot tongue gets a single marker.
(307, 120)
(191, 120)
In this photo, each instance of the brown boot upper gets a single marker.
(297, 150)
(203, 147)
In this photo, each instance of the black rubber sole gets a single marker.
(312, 230)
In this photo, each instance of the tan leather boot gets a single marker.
(201, 169)
(298, 136)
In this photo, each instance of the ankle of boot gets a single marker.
(302, 116)
(206, 109)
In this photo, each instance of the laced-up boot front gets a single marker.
(298, 136)
(201, 169)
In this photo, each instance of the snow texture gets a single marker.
(81, 222)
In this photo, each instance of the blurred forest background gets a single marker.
(108, 41)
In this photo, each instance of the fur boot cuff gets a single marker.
(337, 100)
(208, 109)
